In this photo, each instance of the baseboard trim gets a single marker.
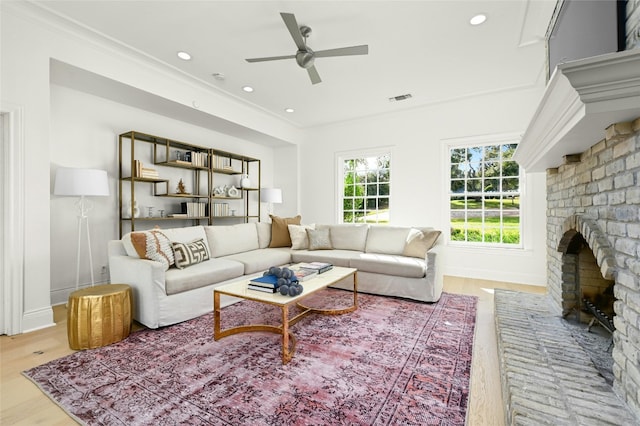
(37, 320)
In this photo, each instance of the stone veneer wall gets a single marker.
(632, 26)
(601, 187)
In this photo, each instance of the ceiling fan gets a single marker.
(305, 57)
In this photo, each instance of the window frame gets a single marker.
(340, 157)
(483, 141)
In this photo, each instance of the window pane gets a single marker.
(383, 176)
(510, 185)
(457, 186)
(384, 189)
(510, 168)
(491, 185)
(347, 204)
(372, 204)
(383, 203)
(458, 155)
(474, 185)
(457, 203)
(372, 190)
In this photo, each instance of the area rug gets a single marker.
(391, 362)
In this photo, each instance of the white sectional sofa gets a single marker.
(391, 261)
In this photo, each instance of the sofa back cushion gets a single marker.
(226, 240)
(347, 236)
(387, 239)
(264, 234)
(185, 234)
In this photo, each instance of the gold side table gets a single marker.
(98, 316)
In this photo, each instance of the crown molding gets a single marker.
(581, 100)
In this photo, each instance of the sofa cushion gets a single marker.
(226, 240)
(335, 257)
(420, 241)
(203, 274)
(280, 230)
(319, 239)
(188, 254)
(262, 259)
(385, 264)
(298, 234)
(152, 245)
(386, 239)
(186, 234)
(348, 236)
(264, 234)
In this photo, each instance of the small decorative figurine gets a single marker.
(181, 189)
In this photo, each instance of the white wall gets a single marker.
(419, 188)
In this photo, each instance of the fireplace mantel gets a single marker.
(581, 100)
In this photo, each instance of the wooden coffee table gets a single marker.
(239, 289)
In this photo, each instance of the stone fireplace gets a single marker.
(593, 214)
(586, 136)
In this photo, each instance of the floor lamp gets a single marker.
(82, 183)
(271, 196)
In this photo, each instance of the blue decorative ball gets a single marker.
(292, 291)
(272, 270)
(281, 282)
(284, 290)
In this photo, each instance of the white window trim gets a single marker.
(359, 153)
(497, 139)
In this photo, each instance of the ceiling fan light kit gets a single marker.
(305, 57)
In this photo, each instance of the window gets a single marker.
(365, 190)
(484, 194)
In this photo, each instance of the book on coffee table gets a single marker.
(316, 266)
(305, 274)
(261, 288)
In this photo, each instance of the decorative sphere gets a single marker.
(281, 282)
(272, 270)
(300, 289)
(284, 290)
(292, 291)
(265, 273)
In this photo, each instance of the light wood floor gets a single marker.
(22, 403)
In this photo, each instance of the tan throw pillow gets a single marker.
(319, 239)
(280, 230)
(153, 245)
(298, 234)
(188, 254)
(419, 242)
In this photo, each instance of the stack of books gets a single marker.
(319, 267)
(304, 274)
(265, 283)
(194, 209)
(144, 172)
(221, 163)
(198, 159)
(221, 209)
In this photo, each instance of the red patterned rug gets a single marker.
(391, 362)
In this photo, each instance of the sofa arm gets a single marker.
(434, 260)
(147, 281)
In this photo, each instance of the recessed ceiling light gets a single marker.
(478, 19)
(289, 110)
(247, 89)
(184, 56)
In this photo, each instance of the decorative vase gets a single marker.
(132, 211)
(245, 182)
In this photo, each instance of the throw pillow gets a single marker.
(187, 254)
(419, 242)
(319, 239)
(298, 234)
(152, 245)
(280, 231)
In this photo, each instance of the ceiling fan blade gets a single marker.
(292, 25)
(343, 51)
(313, 75)
(270, 58)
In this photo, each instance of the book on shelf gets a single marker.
(221, 209)
(270, 280)
(263, 289)
(305, 274)
(221, 163)
(320, 267)
(178, 215)
(194, 209)
(194, 158)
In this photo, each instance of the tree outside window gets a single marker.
(485, 194)
(365, 189)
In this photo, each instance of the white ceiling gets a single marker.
(425, 48)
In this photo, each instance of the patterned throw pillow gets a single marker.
(319, 239)
(187, 254)
(420, 241)
(153, 245)
(298, 234)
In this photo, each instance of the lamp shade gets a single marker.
(271, 195)
(78, 182)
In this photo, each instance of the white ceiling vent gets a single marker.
(400, 97)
